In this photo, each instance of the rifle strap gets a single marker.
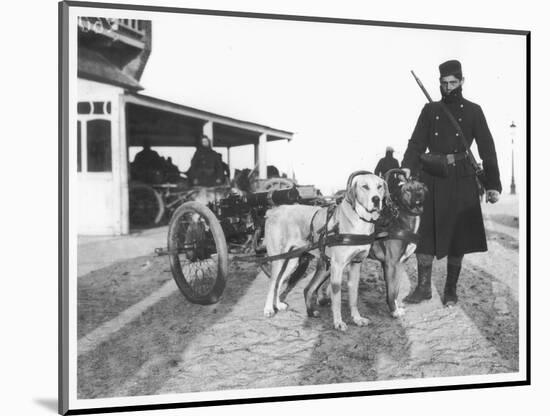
(469, 155)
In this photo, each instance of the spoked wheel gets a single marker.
(146, 205)
(198, 253)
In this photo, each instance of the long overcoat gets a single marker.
(452, 222)
(206, 167)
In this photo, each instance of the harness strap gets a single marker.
(323, 232)
(331, 240)
(405, 235)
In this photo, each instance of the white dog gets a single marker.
(291, 226)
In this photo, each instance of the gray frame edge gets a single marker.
(63, 205)
(63, 209)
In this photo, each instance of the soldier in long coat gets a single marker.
(452, 223)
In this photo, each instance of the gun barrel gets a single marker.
(421, 86)
(275, 197)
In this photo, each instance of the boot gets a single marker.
(423, 289)
(449, 295)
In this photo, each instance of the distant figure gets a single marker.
(225, 169)
(272, 172)
(386, 163)
(206, 166)
(148, 158)
(147, 165)
(172, 172)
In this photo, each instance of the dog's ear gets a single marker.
(351, 191)
(387, 198)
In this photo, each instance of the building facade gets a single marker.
(112, 115)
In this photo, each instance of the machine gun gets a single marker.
(244, 215)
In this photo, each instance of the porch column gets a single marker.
(229, 160)
(260, 159)
(208, 130)
(123, 154)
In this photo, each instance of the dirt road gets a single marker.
(137, 335)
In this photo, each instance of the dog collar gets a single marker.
(364, 220)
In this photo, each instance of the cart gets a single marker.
(202, 237)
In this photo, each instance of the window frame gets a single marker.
(84, 119)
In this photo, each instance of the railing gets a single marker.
(110, 26)
(133, 25)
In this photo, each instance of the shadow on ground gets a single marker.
(137, 359)
(104, 293)
(491, 307)
(360, 353)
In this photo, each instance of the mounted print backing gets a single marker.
(268, 207)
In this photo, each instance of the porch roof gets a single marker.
(164, 123)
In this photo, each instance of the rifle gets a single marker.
(478, 169)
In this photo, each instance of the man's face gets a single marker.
(205, 142)
(450, 83)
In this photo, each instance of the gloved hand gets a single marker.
(492, 196)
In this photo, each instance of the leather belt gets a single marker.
(454, 157)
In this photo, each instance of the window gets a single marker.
(84, 107)
(99, 145)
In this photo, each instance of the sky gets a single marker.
(345, 90)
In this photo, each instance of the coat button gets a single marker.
(456, 134)
(461, 105)
(436, 133)
(459, 119)
(437, 117)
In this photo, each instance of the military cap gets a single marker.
(451, 67)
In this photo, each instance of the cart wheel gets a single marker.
(198, 253)
(146, 205)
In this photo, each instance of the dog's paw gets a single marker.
(313, 313)
(360, 321)
(281, 306)
(269, 312)
(398, 312)
(340, 326)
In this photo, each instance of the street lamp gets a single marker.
(513, 136)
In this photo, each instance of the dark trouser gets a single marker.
(423, 290)
(454, 264)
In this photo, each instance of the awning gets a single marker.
(94, 66)
(164, 123)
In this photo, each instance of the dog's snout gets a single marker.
(376, 200)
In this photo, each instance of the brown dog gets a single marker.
(400, 221)
(407, 196)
